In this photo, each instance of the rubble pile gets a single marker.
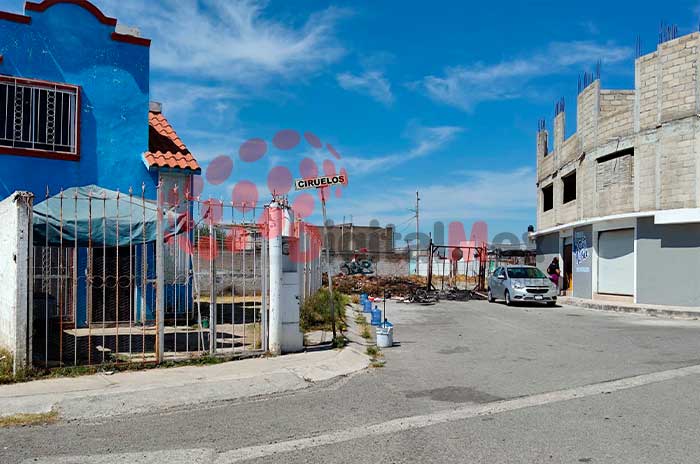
(397, 286)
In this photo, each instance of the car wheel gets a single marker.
(506, 295)
(491, 299)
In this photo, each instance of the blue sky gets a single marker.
(442, 97)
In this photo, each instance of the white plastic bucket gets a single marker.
(385, 337)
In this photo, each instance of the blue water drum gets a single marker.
(376, 316)
(367, 307)
(363, 298)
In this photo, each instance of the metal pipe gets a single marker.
(160, 278)
(212, 284)
(328, 262)
(275, 227)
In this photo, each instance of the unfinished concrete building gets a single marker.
(619, 200)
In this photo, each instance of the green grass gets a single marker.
(316, 311)
(373, 351)
(5, 363)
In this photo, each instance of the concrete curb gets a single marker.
(669, 312)
(161, 389)
(353, 331)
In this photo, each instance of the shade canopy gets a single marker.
(94, 216)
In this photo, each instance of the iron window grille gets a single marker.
(39, 118)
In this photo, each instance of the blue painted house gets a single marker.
(75, 111)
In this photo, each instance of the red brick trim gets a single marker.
(46, 4)
(22, 80)
(17, 18)
(130, 39)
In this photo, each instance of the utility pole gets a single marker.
(328, 261)
(417, 235)
(408, 251)
(342, 236)
(352, 243)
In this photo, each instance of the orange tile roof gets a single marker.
(165, 149)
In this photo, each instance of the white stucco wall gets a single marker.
(15, 236)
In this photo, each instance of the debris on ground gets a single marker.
(397, 286)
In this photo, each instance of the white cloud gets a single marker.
(590, 27)
(183, 97)
(372, 83)
(466, 86)
(231, 40)
(426, 141)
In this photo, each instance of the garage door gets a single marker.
(616, 262)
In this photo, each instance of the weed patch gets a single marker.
(20, 420)
(316, 311)
(366, 334)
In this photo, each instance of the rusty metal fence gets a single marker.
(120, 278)
(230, 277)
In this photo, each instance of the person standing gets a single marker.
(554, 272)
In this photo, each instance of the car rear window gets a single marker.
(525, 273)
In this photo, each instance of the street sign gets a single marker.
(318, 182)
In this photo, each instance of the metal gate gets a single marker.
(118, 278)
(230, 270)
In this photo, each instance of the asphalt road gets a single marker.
(470, 382)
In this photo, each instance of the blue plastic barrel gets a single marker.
(367, 307)
(376, 316)
(363, 298)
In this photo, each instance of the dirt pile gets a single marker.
(402, 286)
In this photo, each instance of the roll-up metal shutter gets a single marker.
(616, 262)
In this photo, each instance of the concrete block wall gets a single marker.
(383, 264)
(658, 119)
(585, 183)
(616, 114)
(15, 240)
(676, 154)
(677, 93)
(587, 115)
(615, 185)
(646, 85)
(645, 149)
(559, 131)
(570, 151)
(568, 212)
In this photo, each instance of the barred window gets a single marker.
(37, 116)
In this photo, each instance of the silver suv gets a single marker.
(522, 283)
